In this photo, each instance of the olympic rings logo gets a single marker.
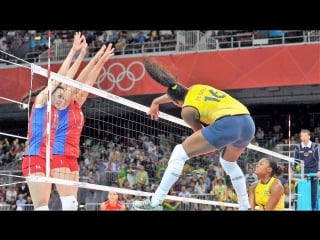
(117, 74)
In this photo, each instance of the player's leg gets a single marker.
(61, 169)
(40, 192)
(68, 200)
(228, 159)
(194, 145)
(238, 134)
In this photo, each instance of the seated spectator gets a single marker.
(29, 204)
(171, 205)
(220, 190)
(12, 203)
(20, 202)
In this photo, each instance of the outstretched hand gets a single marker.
(79, 41)
(84, 46)
(154, 111)
(109, 52)
(104, 53)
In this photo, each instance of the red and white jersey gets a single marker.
(67, 138)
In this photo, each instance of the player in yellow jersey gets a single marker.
(268, 192)
(219, 122)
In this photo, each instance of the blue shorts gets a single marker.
(237, 131)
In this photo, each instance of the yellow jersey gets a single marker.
(262, 195)
(212, 103)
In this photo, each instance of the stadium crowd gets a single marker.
(29, 44)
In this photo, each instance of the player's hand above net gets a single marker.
(154, 111)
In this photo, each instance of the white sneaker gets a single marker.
(145, 205)
(244, 207)
(244, 203)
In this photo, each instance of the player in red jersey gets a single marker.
(66, 149)
(34, 156)
(112, 203)
(34, 163)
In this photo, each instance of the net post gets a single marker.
(289, 163)
(48, 146)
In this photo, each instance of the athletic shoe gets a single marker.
(246, 209)
(145, 205)
(244, 204)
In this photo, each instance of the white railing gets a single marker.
(193, 41)
(7, 207)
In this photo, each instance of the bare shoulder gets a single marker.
(277, 185)
(253, 186)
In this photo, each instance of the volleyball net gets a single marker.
(119, 143)
(13, 139)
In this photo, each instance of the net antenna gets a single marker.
(289, 154)
(50, 80)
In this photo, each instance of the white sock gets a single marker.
(171, 175)
(42, 208)
(238, 182)
(69, 203)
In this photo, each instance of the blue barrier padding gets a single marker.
(304, 195)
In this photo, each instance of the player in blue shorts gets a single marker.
(219, 121)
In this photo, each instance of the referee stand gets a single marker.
(304, 191)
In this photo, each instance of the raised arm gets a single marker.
(78, 43)
(91, 72)
(100, 59)
(75, 66)
(77, 40)
(71, 92)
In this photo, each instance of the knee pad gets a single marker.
(69, 203)
(178, 157)
(228, 167)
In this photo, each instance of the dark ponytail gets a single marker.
(276, 170)
(158, 73)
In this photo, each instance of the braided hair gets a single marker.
(158, 73)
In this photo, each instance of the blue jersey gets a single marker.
(309, 155)
(37, 133)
